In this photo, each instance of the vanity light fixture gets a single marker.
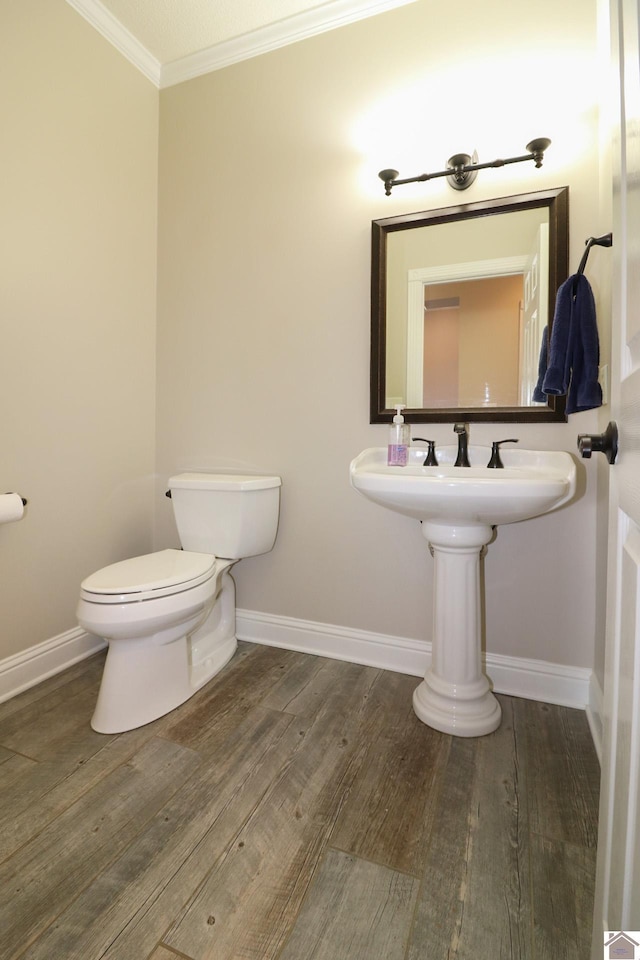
(462, 169)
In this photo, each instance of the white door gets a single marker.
(535, 314)
(618, 875)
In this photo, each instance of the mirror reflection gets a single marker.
(462, 298)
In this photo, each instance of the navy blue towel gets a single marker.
(538, 396)
(574, 350)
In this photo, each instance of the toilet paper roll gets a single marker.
(11, 507)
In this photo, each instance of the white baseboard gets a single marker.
(32, 666)
(515, 676)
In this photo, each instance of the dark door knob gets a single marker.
(606, 443)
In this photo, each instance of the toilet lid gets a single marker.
(154, 574)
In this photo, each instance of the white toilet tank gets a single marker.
(227, 515)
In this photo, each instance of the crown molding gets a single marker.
(124, 41)
(328, 16)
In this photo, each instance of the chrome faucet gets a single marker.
(463, 440)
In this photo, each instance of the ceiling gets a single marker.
(173, 40)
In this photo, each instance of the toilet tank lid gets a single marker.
(221, 481)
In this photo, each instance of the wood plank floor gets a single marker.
(295, 808)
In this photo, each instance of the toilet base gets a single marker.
(145, 678)
(213, 644)
(142, 680)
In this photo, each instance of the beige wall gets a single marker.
(267, 190)
(78, 202)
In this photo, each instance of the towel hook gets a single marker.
(604, 241)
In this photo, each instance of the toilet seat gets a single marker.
(148, 577)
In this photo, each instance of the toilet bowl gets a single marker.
(169, 617)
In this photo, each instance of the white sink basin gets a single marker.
(531, 483)
(459, 508)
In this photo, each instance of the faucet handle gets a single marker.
(431, 460)
(496, 462)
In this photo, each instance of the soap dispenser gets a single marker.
(399, 440)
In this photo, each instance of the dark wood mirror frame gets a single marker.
(557, 201)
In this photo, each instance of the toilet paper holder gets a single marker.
(24, 500)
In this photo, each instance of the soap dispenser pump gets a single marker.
(399, 440)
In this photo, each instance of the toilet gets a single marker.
(169, 617)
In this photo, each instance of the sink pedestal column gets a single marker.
(455, 696)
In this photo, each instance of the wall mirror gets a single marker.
(460, 298)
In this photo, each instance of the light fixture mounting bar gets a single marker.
(461, 171)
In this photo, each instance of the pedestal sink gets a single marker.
(459, 508)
